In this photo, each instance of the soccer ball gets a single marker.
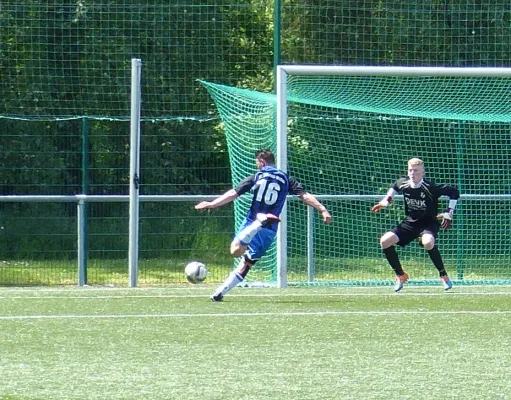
(195, 272)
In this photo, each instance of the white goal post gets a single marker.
(136, 74)
(282, 73)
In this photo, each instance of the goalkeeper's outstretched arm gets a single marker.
(385, 201)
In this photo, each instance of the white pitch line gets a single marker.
(206, 295)
(92, 289)
(69, 289)
(265, 314)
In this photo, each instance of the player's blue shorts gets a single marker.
(260, 244)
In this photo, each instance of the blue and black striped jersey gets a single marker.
(270, 186)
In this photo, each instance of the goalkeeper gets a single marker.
(421, 221)
(270, 187)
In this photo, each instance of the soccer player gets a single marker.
(270, 187)
(421, 221)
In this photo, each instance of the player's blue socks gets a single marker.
(230, 282)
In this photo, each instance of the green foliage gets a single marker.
(65, 84)
(47, 231)
(40, 157)
(375, 32)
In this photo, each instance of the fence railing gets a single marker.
(81, 201)
(309, 225)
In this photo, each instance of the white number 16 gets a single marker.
(270, 191)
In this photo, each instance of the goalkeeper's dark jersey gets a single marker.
(270, 187)
(422, 201)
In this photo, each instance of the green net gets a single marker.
(350, 138)
(245, 112)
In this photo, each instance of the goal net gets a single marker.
(347, 134)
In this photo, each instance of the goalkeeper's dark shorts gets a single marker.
(409, 230)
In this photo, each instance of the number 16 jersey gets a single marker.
(270, 187)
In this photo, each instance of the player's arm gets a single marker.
(311, 200)
(453, 193)
(385, 201)
(297, 189)
(227, 197)
(232, 194)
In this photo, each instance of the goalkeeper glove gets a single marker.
(382, 204)
(446, 218)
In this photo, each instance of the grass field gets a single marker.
(259, 344)
(338, 271)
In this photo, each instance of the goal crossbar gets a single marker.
(393, 71)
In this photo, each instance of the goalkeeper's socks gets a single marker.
(435, 256)
(230, 282)
(393, 259)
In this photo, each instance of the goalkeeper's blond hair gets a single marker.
(416, 161)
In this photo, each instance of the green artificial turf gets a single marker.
(259, 344)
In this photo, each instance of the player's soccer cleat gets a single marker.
(400, 281)
(217, 297)
(266, 219)
(446, 281)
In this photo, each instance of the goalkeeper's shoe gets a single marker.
(217, 297)
(447, 282)
(400, 281)
(266, 219)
